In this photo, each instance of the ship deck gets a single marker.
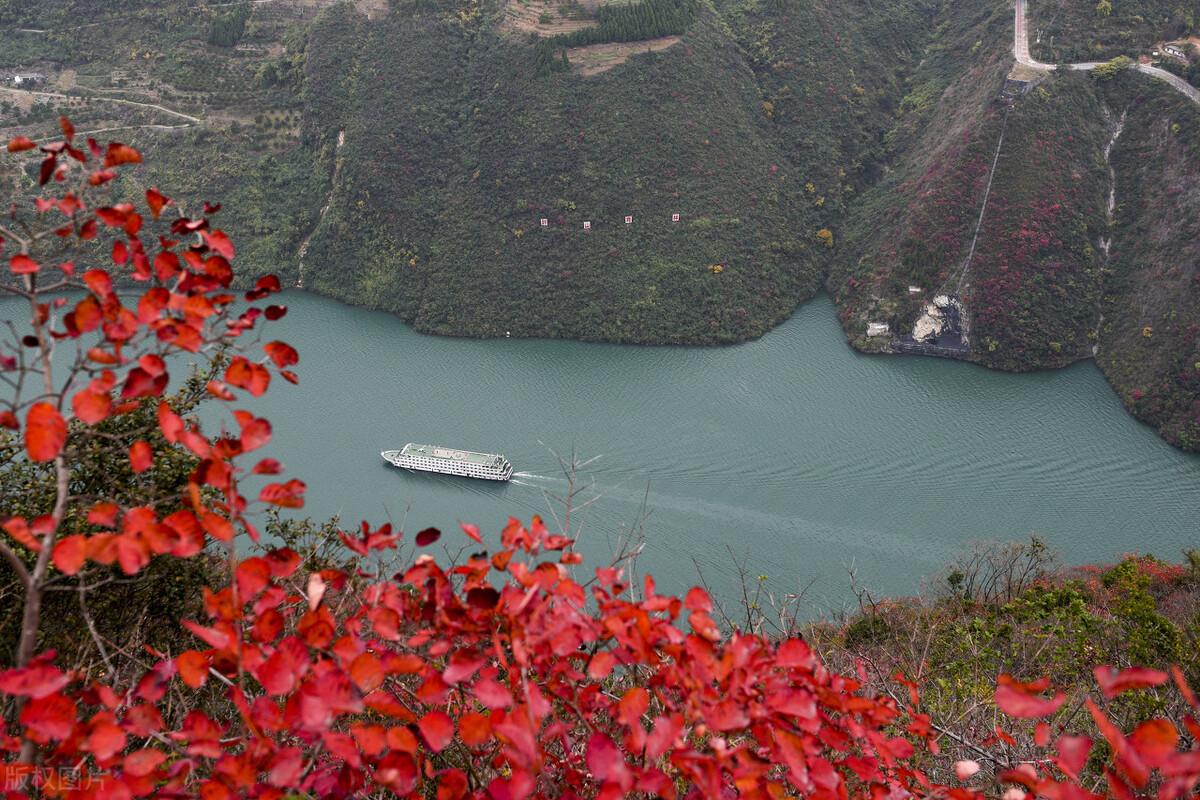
(452, 455)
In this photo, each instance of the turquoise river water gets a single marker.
(793, 454)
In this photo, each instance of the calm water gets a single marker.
(793, 453)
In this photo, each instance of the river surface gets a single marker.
(793, 454)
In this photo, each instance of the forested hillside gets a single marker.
(404, 155)
(756, 155)
(1096, 30)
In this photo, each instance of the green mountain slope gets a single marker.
(402, 156)
(1150, 332)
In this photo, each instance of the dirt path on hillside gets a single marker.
(102, 99)
(596, 58)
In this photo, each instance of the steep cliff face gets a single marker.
(1150, 333)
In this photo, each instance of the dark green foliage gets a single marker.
(549, 57)
(867, 629)
(227, 29)
(635, 21)
(1150, 636)
(329, 53)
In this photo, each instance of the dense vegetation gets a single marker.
(798, 146)
(1082, 30)
(1150, 330)
(632, 22)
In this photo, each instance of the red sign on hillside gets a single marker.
(674, 218)
(628, 220)
(587, 226)
(545, 222)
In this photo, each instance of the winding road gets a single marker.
(1021, 54)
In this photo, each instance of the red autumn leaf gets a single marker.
(471, 531)
(633, 704)
(397, 772)
(284, 355)
(99, 282)
(367, 672)
(1073, 753)
(474, 728)
(485, 598)
(45, 432)
(103, 515)
(67, 128)
(216, 526)
(153, 364)
(491, 694)
(427, 537)
(243, 374)
(1155, 741)
(169, 423)
(210, 636)
(607, 762)
(105, 740)
(1017, 701)
(156, 200)
(275, 312)
(18, 144)
(19, 530)
(437, 729)
(91, 407)
(39, 678)
(253, 575)
(141, 763)
(141, 457)
(121, 154)
(193, 668)
(1113, 683)
(287, 766)
(268, 466)
(69, 554)
(284, 495)
(49, 717)
(219, 242)
(268, 283)
(46, 171)
(283, 562)
(697, 600)
(21, 264)
(140, 383)
(255, 434)
(9, 420)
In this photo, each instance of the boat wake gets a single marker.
(530, 476)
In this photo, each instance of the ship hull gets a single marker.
(441, 466)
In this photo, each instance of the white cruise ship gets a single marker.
(427, 458)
